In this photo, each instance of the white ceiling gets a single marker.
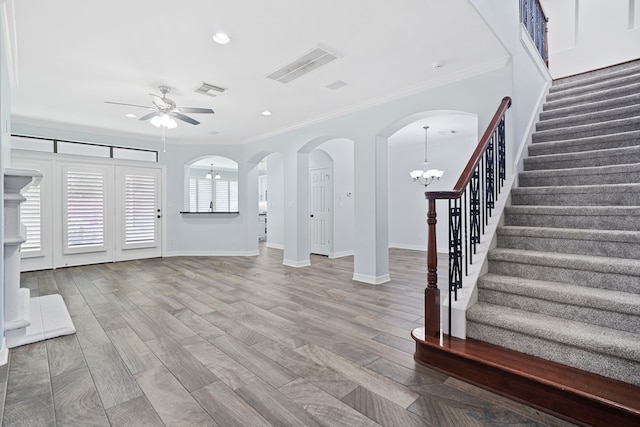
(75, 54)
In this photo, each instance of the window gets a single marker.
(205, 197)
(84, 198)
(139, 210)
(212, 185)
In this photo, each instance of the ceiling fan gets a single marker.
(165, 109)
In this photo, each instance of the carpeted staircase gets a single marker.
(564, 281)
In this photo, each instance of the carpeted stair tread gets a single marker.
(590, 117)
(619, 140)
(602, 128)
(583, 217)
(616, 243)
(627, 194)
(594, 338)
(591, 175)
(570, 261)
(560, 91)
(619, 274)
(605, 157)
(603, 105)
(583, 296)
(618, 236)
(593, 77)
(590, 97)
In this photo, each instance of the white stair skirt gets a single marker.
(49, 319)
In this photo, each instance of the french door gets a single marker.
(87, 213)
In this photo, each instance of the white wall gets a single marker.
(275, 204)
(407, 204)
(587, 35)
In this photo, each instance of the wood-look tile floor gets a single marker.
(240, 341)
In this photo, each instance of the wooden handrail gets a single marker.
(467, 172)
(494, 135)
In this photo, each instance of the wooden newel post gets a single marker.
(432, 293)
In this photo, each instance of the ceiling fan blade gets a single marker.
(129, 105)
(184, 118)
(158, 101)
(196, 110)
(148, 116)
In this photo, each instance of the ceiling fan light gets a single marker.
(167, 121)
(156, 121)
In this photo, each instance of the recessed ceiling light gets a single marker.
(266, 113)
(130, 115)
(221, 38)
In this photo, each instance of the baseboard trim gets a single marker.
(297, 264)
(275, 246)
(341, 254)
(205, 254)
(416, 248)
(4, 352)
(371, 280)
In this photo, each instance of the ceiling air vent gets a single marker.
(209, 89)
(308, 62)
(336, 85)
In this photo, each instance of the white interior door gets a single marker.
(138, 213)
(320, 211)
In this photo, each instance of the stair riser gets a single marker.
(527, 180)
(609, 366)
(580, 161)
(588, 144)
(595, 198)
(575, 276)
(629, 250)
(618, 126)
(569, 101)
(558, 92)
(559, 113)
(584, 119)
(591, 222)
(608, 319)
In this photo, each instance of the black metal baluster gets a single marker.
(502, 162)
(466, 242)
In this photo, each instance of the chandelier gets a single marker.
(425, 176)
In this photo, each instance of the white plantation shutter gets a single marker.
(193, 195)
(233, 196)
(84, 209)
(30, 218)
(139, 209)
(204, 195)
(222, 196)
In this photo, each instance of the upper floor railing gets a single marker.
(471, 203)
(535, 21)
